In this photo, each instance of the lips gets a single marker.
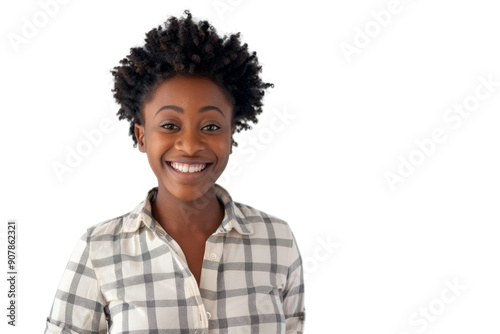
(188, 170)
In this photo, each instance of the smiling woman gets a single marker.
(188, 258)
(187, 123)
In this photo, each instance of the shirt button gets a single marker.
(213, 256)
(209, 315)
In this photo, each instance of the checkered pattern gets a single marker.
(127, 275)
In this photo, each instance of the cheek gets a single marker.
(224, 148)
(222, 154)
(157, 145)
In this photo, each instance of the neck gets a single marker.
(201, 215)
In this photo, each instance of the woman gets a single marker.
(188, 259)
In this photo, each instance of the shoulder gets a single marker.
(271, 236)
(263, 223)
(108, 229)
(100, 241)
(120, 225)
(252, 214)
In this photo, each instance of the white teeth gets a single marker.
(186, 168)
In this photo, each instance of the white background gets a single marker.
(373, 256)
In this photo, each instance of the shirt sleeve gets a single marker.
(78, 306)
(293, 294)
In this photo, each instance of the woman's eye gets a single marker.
(211, 127)
(169, 126)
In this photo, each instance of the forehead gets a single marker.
(189, 92)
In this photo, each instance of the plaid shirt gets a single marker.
(127, 275)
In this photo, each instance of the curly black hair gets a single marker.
(185, 47)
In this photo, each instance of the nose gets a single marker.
(190, 141)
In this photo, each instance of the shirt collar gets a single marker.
(233, 216)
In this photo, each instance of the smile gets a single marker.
(187, 168)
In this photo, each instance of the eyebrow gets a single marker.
(181, 111)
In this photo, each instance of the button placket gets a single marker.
(203, 316)
(213, 252)
(213, 248)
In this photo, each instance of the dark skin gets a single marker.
(188, 126)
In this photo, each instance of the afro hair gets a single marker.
(186, 47)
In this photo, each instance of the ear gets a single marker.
(139, 135)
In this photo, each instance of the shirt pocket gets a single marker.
(268, 300)
(269, 305)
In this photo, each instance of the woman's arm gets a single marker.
(78, 306)
(293, 294)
